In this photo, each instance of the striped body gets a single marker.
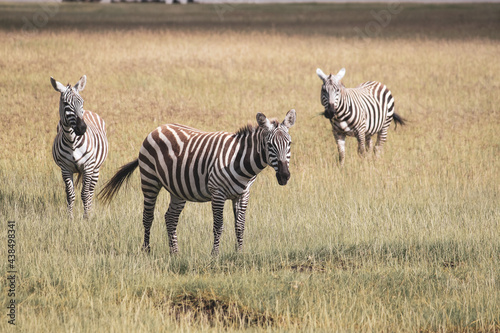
(367, 108)
(79, 152)
(198, 166)
(360, 112)
(192, 165)
(80, 145)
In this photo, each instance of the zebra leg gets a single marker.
(340, 139)
(369, 143)
(171, 220)
(150, 190)
(361, 143)
(218, 200)
(93, 183)
(239, 209)
(88, 187)
(70, 190)
(381, 137)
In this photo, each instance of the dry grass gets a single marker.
(409, 242)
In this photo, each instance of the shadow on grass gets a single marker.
(442, 254)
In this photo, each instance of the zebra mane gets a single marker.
(249, 128)
(243, 131)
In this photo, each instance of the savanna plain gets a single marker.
(409, 242)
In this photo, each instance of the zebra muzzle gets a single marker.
(80, 126)
(329, 112)
(283, 174)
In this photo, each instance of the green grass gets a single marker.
(409, 242)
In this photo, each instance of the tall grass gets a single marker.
(408, 242)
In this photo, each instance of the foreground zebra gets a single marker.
(361, 112)
(80, 145)
(198, 166)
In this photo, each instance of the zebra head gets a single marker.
(330, 91)
(71, 105)
(277, 142)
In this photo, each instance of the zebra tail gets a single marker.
(78, 179)
(398, 120)
(114, 184)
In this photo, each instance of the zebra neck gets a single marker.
(264, 154)
(252, 152)
(345, 108)
(69, 135)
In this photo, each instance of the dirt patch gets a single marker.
(217, 310)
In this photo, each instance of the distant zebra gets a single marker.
(361, 112)
(80, 145)
(198, 166)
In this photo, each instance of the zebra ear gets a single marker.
(80, 85)
(264, 122)
(289, 119)
(321, 75)
(57, 85)
(340, 74)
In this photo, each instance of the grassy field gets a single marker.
(406, 243)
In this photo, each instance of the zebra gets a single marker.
(193, 165)
(80, 145)
(360, 112)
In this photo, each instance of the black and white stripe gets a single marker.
(360, 112)
(194, 165)
(80, 145)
